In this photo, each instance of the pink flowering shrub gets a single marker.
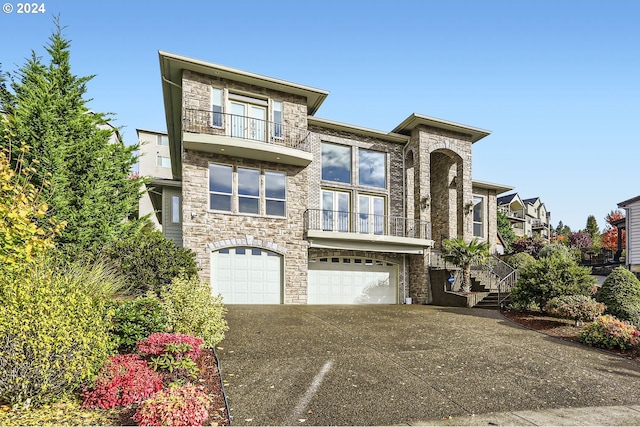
(183, 406)
(180, 345)
(123, 380)
(608, 332)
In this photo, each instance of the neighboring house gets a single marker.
(632, 226)
(282, 206)
(163, 195)
(528, 217)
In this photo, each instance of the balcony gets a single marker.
(536, 224)
(356, 231)
(246, 137)
(511, 214)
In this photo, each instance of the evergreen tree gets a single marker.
(594, 232)
(91, 188)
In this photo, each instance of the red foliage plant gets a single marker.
(183, 406)
(157, 343)
(123, 380)
(610, 235)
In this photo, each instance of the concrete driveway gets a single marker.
(405, 364)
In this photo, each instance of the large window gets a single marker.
(336, 163)
(175, 209)
(248, 190)
(275, 193)
(478, 216)
(372, 168)
(220, 187)
(246, 193)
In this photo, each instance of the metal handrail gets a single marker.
(354, 222)
(244, 127)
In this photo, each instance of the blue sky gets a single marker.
(556, 82)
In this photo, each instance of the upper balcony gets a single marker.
(517, 215)
(351, 230)
(536, 224)
(246, 137)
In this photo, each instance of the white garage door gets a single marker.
(352, 281)
(247, 276)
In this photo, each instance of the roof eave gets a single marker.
(415, 120)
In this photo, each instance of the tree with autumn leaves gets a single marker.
(610, 234)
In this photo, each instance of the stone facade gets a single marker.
(428, 178)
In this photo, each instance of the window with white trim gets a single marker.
(220, 187)
(247, 191)
(163, 161)
(216, 107)
(478, 216)
(277, 119)
(162, 140)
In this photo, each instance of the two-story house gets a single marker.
(282, 206)
(528, 217)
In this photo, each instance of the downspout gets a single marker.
(404, 210)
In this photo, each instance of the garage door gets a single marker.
(352, 281)
(247, 276)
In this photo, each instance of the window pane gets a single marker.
(220, 203)
(220, 178)
(336, 163)
(163, 161)
(478, 216)
(175, 209)
(372, 170)
(275, 208)
(163, 140)
(216, 106)
(248, 205)
(277, 119)
(248, 182)
(274, 185)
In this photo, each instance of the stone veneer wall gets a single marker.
(205, 230)
(196, 94)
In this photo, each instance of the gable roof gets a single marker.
(505, 200)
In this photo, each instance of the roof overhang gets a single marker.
(626, 203)
(415, 120)
(329, 124)
(171, 69)
(499, 188)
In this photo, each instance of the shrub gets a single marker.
(192, 309)
(63, 413)
(608, 332)
(580, 308)
(551, 277)
(137, 319)
(53, 334)
(125, 379)
(183, 406)
(172, 353)
(149, 260)
(555, 249)
(620, 292)
(520, 259)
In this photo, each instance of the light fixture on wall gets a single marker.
(424, 202)
(469, 207)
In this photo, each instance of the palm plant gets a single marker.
(465, 255)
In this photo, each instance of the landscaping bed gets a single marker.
(559, 328)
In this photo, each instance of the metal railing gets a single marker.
(244, 127)
(352, 222)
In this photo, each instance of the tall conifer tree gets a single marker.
(91, 187)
